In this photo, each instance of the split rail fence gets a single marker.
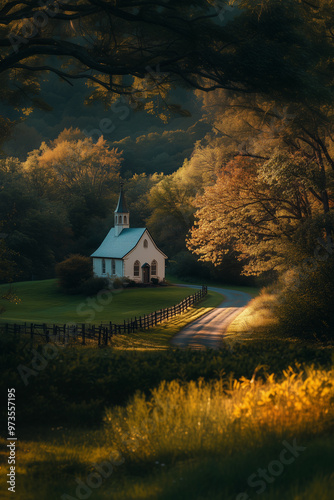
(101, 334)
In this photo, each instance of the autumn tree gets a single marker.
(79, 165)
(256, 210)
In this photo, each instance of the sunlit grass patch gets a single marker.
(256, 320)
(196, 440)
(184, 420)
(158, 338)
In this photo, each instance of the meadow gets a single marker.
(43, 301)
(141, 420)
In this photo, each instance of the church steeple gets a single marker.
(122, 215)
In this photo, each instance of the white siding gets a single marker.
(97, 267)
(144, 254)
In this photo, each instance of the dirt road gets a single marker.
(207, 331)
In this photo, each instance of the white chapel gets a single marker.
(128, 252)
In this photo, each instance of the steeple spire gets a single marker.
(122, 216)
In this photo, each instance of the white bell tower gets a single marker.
(122, 215)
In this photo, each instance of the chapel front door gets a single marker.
(146, 274)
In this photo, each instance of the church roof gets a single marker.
(116, 247)
(121, 205)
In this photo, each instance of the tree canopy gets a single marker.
(263, 46)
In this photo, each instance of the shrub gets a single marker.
(117, 283)
(94, 285)
(73, 272)
(305, 303)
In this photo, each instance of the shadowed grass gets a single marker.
(253, 291)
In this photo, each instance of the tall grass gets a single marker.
(299, 307)
(200, 419)
(193, 440)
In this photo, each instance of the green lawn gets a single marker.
(158, 338)
(42, 301)
(253, 291)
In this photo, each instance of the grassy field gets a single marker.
(251, 290)
(42, 301)
(142, 421)
(159, 338)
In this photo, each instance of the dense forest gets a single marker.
(60, 200)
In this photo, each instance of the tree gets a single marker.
(6, 127)
(267, 46)
(256, 209)
(8, 270)
(80, 165)
(171, 216)
(8, 267)
(37, 228)
(138, 189)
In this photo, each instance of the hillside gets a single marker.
(148, 143)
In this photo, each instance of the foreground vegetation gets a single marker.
(297, 308)
(193, 431)
(139, 420)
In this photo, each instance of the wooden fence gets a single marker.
(101, 334)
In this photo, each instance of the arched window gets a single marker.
(113, 267)
(119, 219)
(145, 243)
(125, 219)
(103, 266)
(136, 268)
(116, 219)
(154, 268)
